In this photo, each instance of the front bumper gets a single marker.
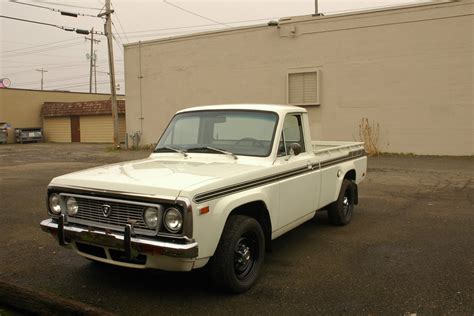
(129, 244)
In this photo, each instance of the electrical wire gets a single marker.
(374, 7)
(34, 22)
(40, 50)
(116, 32)
(54, 65)
(51, 9)
(33, 46)
(194, 13)
(120, 23)
(118, 44)
(83, 84)
(65, 28)
(67, 5)
(56, 80)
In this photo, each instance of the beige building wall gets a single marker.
(57, 129)
(22, 108)
(408, 69)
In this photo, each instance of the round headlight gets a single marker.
(150, 216)
(55, 203)
(173, 220)
(72, 206)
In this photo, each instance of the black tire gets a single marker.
(238, 259)
(340, 211)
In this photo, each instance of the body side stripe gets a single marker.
(211, 195)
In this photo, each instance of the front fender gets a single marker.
(208, 227)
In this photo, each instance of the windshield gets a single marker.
(247, 133)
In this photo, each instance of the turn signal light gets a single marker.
(204, 210)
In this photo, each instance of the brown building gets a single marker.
(86, 122)
(409, 69)
(21, 108)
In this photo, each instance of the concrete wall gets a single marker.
(22, 108)
(408, 69)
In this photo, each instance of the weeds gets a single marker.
(369, 134)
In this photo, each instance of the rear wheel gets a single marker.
(340, 211)
(236, 263)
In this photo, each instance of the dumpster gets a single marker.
(4, 126)
(30, 134)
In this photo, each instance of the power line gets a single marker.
(63, 79)
(41, 50)
(33, 46)
(116, 32)
(40, 54)
(371, 8)
(55, 80)
(65, 28)
(71, 14)
(50, 66)
(82, 85)
(194, 13)
(120, 23)
(70, 5)
(65, 65)
(31, 21)
(120, 46)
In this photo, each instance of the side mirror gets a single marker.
(295, 149)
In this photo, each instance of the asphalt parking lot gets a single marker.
(409, 248)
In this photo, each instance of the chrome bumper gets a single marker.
(126, 242)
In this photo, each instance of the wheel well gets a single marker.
(259, 211)
(351, 175)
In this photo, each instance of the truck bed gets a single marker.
(328, 150)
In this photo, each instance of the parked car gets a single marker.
(222, 182)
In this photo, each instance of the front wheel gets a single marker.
(236, 263)
(340, 211)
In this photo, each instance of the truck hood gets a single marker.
(152, 176)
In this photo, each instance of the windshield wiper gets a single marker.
(225, 152)
(172, 149)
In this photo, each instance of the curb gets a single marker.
(43, 303)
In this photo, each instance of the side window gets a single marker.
(292, 133)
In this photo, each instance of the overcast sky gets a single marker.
(25, 47)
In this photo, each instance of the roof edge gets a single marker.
(295, 19)
(198, 34)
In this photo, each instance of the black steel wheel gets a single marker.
(236, 263)
(340, 211)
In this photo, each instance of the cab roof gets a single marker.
(278, 108)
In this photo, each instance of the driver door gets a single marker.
(298, 190)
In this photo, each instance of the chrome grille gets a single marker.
(123, 212)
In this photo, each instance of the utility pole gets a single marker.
(95, 71)
(108, 33)
(91, 57)
(42, 72)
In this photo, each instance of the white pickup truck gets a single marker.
(221, 183)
